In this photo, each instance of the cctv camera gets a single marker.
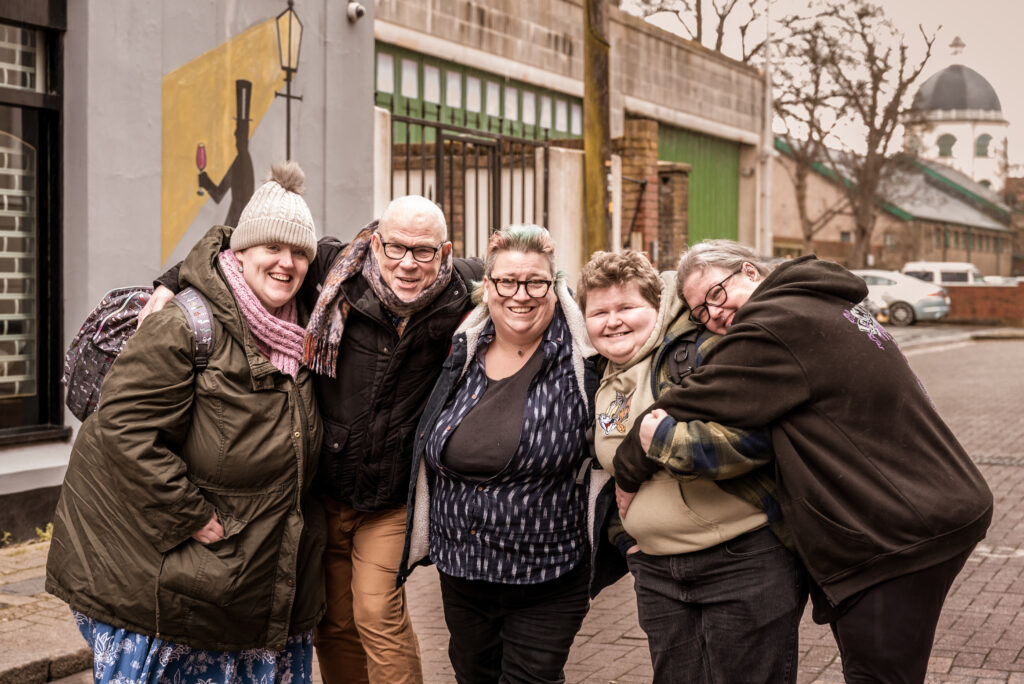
(355, 12)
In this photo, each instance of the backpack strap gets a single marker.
(682, 356)
(197, 311)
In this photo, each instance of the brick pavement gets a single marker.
(978, 387)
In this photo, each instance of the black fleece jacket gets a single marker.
(872, 482)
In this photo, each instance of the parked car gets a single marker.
(944, 272)
(906, 298)
(1005, 281)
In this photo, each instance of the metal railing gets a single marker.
(483, 179)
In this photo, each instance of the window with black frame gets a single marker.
(19, 275)
(29, 235)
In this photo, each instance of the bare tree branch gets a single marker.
(856, 68)
(841, 66)
(722, 9)
(723, 18)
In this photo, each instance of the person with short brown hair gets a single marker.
(693, 546)
(606, 269)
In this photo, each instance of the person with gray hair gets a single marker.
(494, 500)
(383, 310)
(884, 505)
(729, 256)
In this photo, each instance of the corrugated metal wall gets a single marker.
(714, 180)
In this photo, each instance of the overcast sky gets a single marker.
(992, 30)
(995, 47)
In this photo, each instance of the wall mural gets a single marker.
(239, 177)
(211, 108)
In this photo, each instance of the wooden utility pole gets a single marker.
(596, 128)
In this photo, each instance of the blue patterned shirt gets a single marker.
(527, 523)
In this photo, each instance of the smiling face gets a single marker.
(411, 228)
(520, 319)
(738, 286)
(274, 272)
(619, 320)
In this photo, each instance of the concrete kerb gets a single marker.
(39, 641)
(909, 339)
(47, 669)
(999, 334)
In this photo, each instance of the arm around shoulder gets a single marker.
(708, 449)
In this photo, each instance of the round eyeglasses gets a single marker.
(509, 287)
(716, 296)
(396, 251)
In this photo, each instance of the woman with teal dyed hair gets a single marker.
(495, 500)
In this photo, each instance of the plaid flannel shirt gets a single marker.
(740, 461)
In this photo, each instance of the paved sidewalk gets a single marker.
(977, 386)
(38, 639)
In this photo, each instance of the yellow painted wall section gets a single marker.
(198, 103)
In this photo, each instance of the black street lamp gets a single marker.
(289, 39)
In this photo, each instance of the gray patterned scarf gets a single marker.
(327, 322)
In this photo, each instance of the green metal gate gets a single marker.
(714, 180)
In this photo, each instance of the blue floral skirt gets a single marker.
(124, 657)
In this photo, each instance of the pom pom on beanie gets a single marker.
(276, 213)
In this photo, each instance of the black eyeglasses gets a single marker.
(509, 287)
(396, 251)
(716, 296)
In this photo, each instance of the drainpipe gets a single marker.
(596, 127)
(768, 142)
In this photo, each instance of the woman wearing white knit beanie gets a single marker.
(276, 212)
(187, 541)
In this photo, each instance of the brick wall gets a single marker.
(542, 34)
(673, 212)
(658, 67)
(18, 254)
(1017, 242)
(987, 304)
(649, 65)
(1013, 191)
(638, 148)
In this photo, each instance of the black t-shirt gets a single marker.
(489, 435)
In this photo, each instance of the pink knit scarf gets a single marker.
(278, 337)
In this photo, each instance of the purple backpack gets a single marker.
(105, 332)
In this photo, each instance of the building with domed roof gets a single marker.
(956, 119)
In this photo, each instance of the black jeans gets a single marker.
(730, 613)
(885, 632)
(513, 632)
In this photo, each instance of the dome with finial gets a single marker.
(957, 88)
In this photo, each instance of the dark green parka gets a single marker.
(168, 447)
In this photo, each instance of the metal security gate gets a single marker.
(713, 194)
(482, 180)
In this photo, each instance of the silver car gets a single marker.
(907, 299)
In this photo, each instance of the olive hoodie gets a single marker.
(872, 482)
(166, 449)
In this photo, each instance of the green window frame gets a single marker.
(472, 98)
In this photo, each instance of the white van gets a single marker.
(944, 272)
